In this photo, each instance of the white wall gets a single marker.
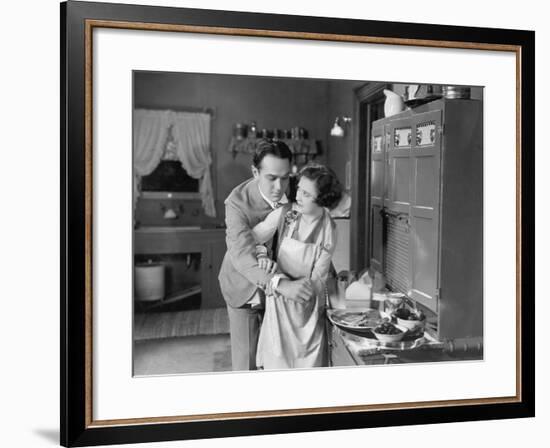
(29, 328)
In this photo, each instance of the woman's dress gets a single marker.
(293, 333)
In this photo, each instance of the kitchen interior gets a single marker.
(409, 226)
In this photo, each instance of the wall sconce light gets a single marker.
(338, 129)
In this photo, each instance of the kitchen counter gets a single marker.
(351, 348)
(173, 240)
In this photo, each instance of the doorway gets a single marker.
(369, 107)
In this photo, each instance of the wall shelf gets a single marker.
(300, 146)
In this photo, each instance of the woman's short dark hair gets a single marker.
(329, 188)
(275, 148)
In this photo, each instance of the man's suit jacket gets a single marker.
(239, 274)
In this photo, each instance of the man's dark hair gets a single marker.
(275, 148)
(329, 188)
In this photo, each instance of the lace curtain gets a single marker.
(150, 132)
(191, 132)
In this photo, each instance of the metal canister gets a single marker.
(149, 282)
(240, 131)
(456, 92)
(267, 133)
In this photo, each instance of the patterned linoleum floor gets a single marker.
(190, 354)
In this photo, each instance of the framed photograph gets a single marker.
(276, 223)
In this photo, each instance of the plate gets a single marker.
(364, 320)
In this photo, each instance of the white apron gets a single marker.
(292, 333)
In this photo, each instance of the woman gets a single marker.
(293, 333)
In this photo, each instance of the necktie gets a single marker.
(275, 239)
(274, 242)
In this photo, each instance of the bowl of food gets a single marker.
(387, 332)
(410, 319)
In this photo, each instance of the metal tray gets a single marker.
(365, 343)
(361, 321)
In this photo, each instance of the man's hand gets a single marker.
(267, 264)
(299, 290)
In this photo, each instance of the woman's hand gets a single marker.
(267, 264)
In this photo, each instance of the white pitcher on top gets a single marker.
(394, 103)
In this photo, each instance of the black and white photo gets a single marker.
(293, 223)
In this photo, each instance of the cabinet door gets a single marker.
(397, 204)
(218, 252)
(398, 173)
(339, 355)
(425, 185)
(377, 187)
(212, 253)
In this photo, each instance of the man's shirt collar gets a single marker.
(272, 204)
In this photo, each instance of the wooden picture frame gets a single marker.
(78, 22)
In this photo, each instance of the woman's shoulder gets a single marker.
(329, 233)
(329, 220)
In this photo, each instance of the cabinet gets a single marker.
(209, 243)
(213, 253)
(339, 354)
(426, 210)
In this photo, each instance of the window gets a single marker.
(170, 176)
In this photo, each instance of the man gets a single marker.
(242, 281)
